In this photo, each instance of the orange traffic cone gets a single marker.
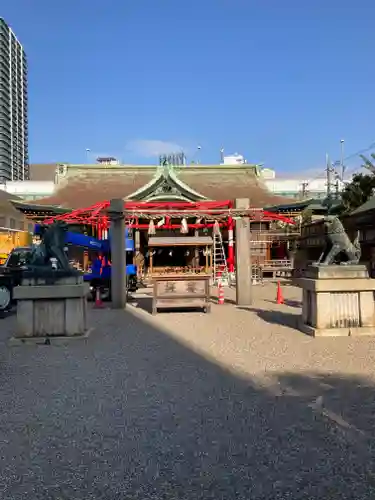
(279, 294)
(98, 299)
(221, 294)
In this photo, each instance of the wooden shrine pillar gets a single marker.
(230, 245)
(151, 261)
(196, 251)
(85, 260)
(137, 246)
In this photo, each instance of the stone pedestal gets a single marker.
(51, 310)
(337, 301)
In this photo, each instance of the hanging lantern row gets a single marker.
(184, 226)
(151, 228)
(187, 253)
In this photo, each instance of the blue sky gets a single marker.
(278, 81)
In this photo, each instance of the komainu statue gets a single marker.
(51, 247)
(338, 247)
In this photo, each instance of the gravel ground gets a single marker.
(228, 405)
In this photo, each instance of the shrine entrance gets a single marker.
(179, 255)
(173, 237)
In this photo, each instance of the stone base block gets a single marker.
(58, 310)
(336, 272)
(337, 301)
(336, 332)
(54, 340)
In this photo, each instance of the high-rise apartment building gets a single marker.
(14, 159)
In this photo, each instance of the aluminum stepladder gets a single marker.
(219, 261)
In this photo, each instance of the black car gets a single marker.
(6, 291)
(11, 275)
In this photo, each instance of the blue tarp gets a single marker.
(89, 242)
(81, 240)
(131, 270)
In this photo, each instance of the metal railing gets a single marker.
(266, 237)
(273, 264)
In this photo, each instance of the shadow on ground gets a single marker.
(7, 314)
(145, 303)
(287, 302)
(275, 317)
(132, 413)
(214, 300)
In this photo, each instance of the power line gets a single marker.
(360, 152)
(330, 170)
(339, 162)
(357, 153)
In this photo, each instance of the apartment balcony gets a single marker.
(4, 35)
(5, 128)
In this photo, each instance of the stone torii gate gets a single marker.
(118, 277)
(244, 287)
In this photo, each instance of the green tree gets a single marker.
(358, 191)
(306, 215)
(369, 164)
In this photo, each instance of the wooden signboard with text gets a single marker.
(181, 291)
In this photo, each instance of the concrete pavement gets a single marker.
(230, 405)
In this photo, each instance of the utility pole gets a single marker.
(342, 159)
(198, 151)
(329, 172)
(222, 156)
(304, 189)
(337, 187)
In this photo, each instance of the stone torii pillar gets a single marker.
(243, 256)
(118, 254)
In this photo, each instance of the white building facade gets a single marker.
(299, 188)
(29, 190)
